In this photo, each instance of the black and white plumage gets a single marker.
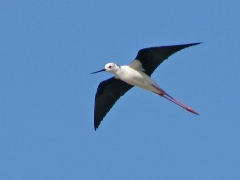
(138, 74)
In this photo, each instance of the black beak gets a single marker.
(98, 71)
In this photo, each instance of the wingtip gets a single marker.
(193, 44)
(190, 44)
(95, 127)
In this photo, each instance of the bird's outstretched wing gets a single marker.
(108, 92)
(150, 58)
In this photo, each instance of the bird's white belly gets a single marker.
(135, 79)
(139, 79)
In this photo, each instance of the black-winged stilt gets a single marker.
(136, 74)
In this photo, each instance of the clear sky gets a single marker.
(48, 50)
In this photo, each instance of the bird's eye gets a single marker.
(109, 67)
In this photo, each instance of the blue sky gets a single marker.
(48, 50)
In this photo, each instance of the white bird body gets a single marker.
(134, 77)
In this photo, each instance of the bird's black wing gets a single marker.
(151, 58)
(108, 92)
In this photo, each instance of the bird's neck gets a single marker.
(119, 72)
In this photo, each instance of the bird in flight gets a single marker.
(138, 73)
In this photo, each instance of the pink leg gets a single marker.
(170, 98)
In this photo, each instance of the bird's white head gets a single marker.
(109, 67)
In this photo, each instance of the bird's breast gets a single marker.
(131, 76)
